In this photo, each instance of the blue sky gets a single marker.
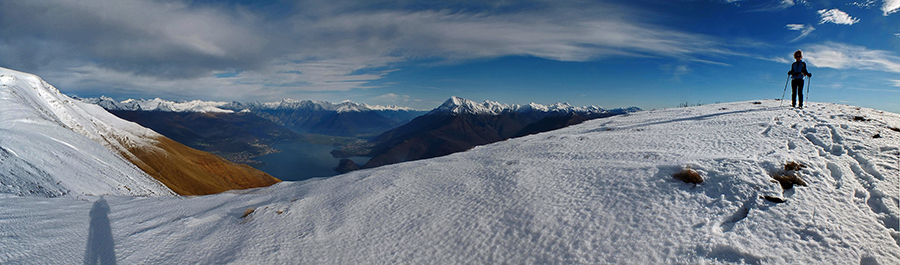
(650, 54)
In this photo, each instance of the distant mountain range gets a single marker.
(346, 119)
(395, 134)
(460, 124)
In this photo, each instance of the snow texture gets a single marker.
(52, 145)
(598, 192)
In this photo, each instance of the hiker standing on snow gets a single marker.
(798, 70)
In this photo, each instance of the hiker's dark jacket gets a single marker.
(798, 70)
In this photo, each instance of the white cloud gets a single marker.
(776, 59)
(805, 30)
(171, 47)
(843, 56)
(890, 7)
(867, 4)
(145, 37)
(795, 26)
(896, 83)
(837, 17)
(570, 35)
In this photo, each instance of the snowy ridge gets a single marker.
(388, 108)
(457, 105)
(292, 104)
(594, 193)
(59, 146)
(158, 104)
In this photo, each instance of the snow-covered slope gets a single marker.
(594, 193)
(48, 136)
(51, 145)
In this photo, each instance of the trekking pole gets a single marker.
(785, 90)
(808, 83)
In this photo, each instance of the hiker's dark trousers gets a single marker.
(796, 91)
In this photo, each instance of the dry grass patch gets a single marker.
(794, 166)
(788, 177)
(688, 176)
(188, 171)
(788, 181)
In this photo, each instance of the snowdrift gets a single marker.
(599, 192)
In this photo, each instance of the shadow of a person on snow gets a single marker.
(100, 247)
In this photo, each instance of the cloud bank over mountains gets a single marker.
(843, 56)
(144, 44)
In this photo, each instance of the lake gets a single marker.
(301, 160)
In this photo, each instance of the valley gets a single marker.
(301, 139)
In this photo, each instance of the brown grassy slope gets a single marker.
(188, 171)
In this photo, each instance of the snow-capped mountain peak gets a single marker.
(158, 104)
(457, 105)
(349, 106)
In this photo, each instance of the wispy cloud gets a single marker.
(776, 59)
(173, 47)
(836, 16)
(775, 5)
(784, 4)
(896, 83)
(866, 4)
(805, 30)
(843, 56)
